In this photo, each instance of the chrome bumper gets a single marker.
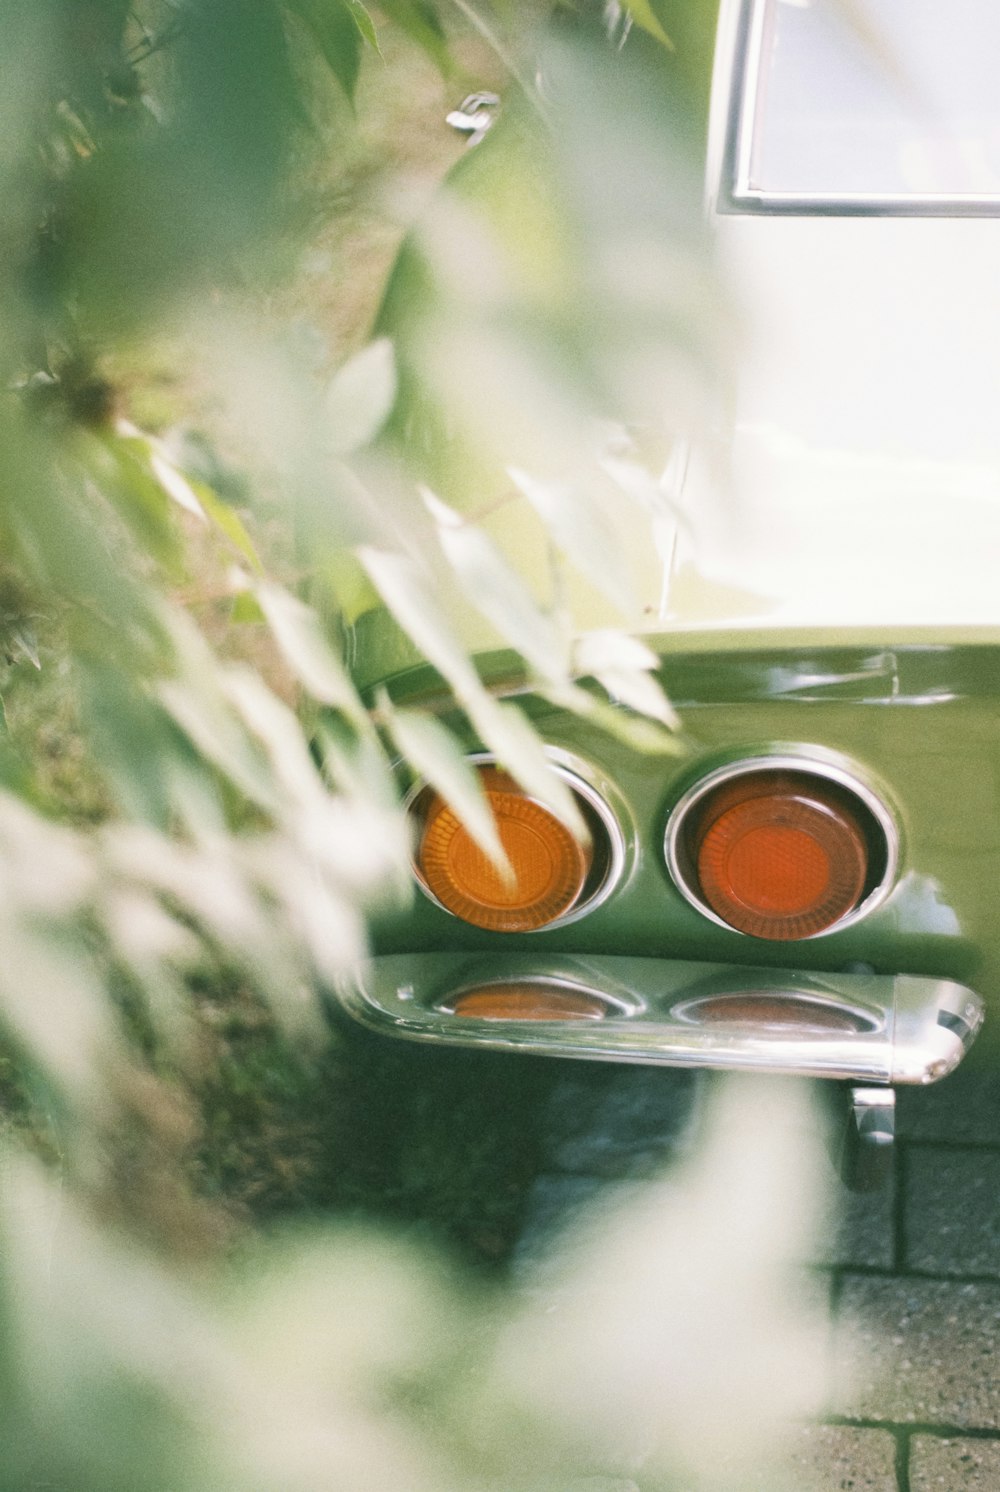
(902, 1028)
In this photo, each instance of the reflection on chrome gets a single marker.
(866, 1027)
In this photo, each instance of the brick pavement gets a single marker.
(914, 1274)
(916, 1314)
(495, 1150)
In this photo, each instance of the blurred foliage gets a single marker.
(197, 807)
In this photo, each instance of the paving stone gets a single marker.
(860, 1230)
(952, 1210)
(554, 1204)
(963, 1108)
(827, 1458)
(917, 1351)
(819, 1458)
(938, 1465)
(618, 1121)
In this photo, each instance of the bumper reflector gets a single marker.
(773, 1011)
(527, 1000)
(870, 1028)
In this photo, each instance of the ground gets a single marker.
(488, 1151)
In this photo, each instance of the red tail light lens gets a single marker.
(780, 854)
(774, 1012)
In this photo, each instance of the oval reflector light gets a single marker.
(780, 856)
(773, 1011)
(548, 865)
(527, 1001)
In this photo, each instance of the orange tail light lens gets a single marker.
(780, 855)
(549, 867)
(534, 1000)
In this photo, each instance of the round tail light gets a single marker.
(779, 852)
(552, 876)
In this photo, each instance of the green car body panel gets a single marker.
(849, 612)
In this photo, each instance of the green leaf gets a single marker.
(420, 20)
(435, 755)
(634, 731)
(499, 593)
(196, 703)
(337, 33)
(228, 522)
(508, 734)
(299, 634)
(362, 19)
(22, 645)
(246, 609)
(643, 14)
(580, 527)
(121, 467)
(502, 729)
(131, 739)
(360, 397)
(624, 667)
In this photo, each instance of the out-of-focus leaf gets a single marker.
(337, 33)
(502, 729)
(365, 24)
(420, 20)
(652, 497)
(121, 469)
(228, 522)
(131, 738)
(607, 648)
(583, 532)
(644, 15)
(624, 666)
(194, 699)
(356, 764)
(299, 634)
(497, 591)
(639, 691)
(175, 484)
(405, 592)
(53, 1001)
(517, 747)
(246, 609)
(275, 726)
(22, 644)
(360, 397)
(637, 732)
(432, 751)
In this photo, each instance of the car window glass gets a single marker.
(875, 97)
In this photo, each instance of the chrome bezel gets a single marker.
(925, 1024)
(792, 761)
(572, 773)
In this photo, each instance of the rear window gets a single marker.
(868, 102)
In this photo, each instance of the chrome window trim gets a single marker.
(737, 196)
(575, 774)
(782, 759)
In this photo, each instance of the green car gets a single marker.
(811, 887)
